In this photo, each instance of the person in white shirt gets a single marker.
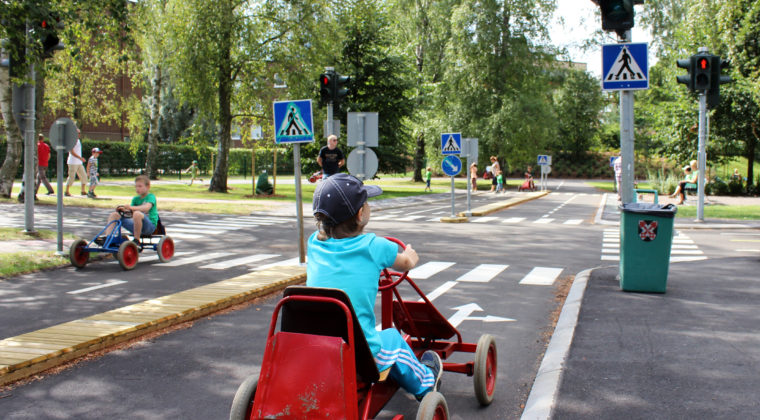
(76, 166)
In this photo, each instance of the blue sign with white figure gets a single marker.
(625, 66)
(293, 122)
(451, 165)
(451, 143)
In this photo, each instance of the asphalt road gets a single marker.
(193, 373)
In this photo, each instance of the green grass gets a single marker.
(721, 212)
(740, 163)
(15, 263)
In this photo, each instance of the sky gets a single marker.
(580, 22)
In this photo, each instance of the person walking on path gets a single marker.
(474, 176)
(495, 169)
(43, 157)
(330, 157)
(193, 169)
(92, 171)
(428, 177)
(76, 167)
(618, 166)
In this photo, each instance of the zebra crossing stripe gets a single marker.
(483, 219)
(573, 222)
(429, 269)
(195, 229)
(154, 257)
(445, 287)
(239, 261)
(543, 220)
(542, 276)
(289, 262)
(434, 219)
(409, 218)
(513, 220)
(185, 236)
(483, 273)
(194, 259)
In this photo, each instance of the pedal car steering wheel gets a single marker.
(124, 212)
(387, 275)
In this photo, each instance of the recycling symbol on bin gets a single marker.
(647, 230)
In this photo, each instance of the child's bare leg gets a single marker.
(138, 216)
(111, 217)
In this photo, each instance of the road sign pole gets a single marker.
(362, 153)
(626, 138)
(704, 122)
(453, 213)
(299, 204)
(469, 185)
(60, 149)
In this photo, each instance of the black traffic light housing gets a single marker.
(617, 15)
(49, 36)
(687, 79)
(716, 79)
(340, 87)
(702, 72)
(326, 86)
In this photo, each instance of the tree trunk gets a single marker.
(751, 147)
(219, 178)
(13, 136)
(419, 157)
(151, 166)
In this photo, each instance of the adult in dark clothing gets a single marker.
(330, 157)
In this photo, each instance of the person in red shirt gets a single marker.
(43, 157)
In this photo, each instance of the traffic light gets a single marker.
(702, 72)
(617, 15)
(716, 79)
(49, 36)
(340, 90)
(687, 79)
(326, 87)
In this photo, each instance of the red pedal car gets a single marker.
(319, 364)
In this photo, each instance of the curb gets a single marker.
(543, 394)
(501, 205)
(31, 353)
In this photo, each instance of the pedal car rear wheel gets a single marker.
(242, 404)
(127, 255)
(77, 253)
(165, 249)
(485, 369)
(433, 407)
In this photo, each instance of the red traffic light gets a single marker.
(325, 80)
(703, 63)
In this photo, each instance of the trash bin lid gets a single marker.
(651, 209)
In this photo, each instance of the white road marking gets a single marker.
(543, 276)
(543, 220)
(429, 269)
(155, 256)
(184, 236)
(239, 261)
(573, 222)
(195, 230)
(483, 273)
(197, 258)
(483, 219)
(513, 220)
(288, 263)
(89, 289)
(445, 287)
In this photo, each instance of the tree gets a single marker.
(578, 104)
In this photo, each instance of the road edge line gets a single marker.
(543, 393)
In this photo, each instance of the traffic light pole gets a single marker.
(626, 137)
(704, 123)
(27, 129)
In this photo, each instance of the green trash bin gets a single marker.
(646, 235)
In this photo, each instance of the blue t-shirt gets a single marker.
(352, 265)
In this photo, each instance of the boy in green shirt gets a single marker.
(144, 211)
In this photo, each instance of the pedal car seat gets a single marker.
(320, 319)
(160, 230)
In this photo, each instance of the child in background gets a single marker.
(340, 255)
(92, 171)
(474, 176)
(428, 175)
(194, 168)
(499, 182)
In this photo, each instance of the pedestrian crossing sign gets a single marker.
(451, 143)
(625, 66)
(293, 122)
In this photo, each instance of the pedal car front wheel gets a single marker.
(433, 407)
(77, 253)
(242, 403)
(485, 369)
(165, 249)
(127, 255)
